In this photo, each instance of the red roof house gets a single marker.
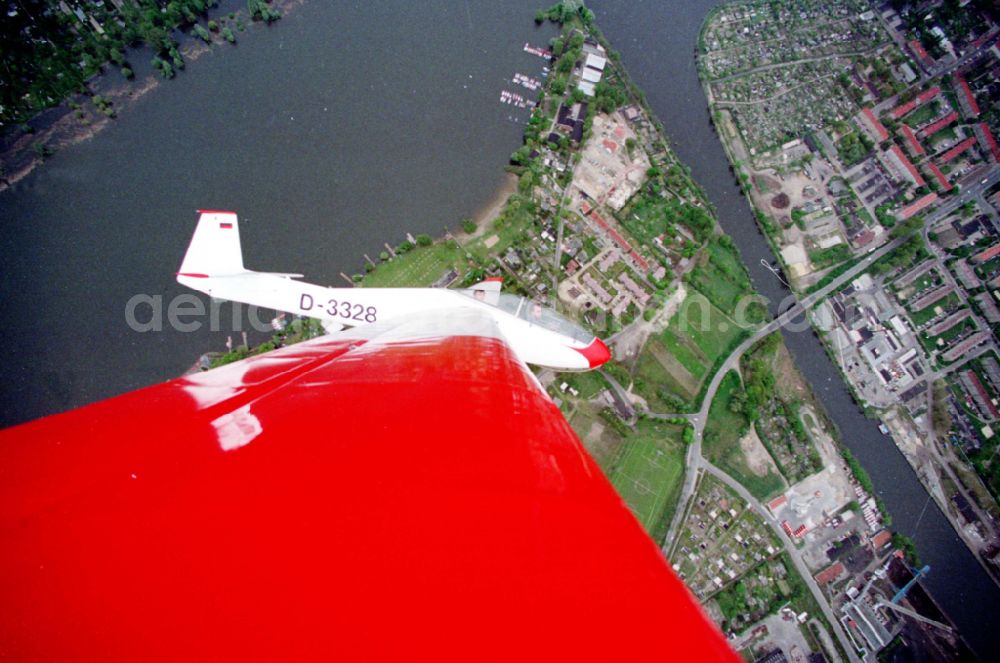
(991, 142)
(987, 254)
(916, 206)
(918, 179)
(938, 125)
(958, 149)
(939, 176)
(876, 126)
(920, 52)
(830, 573)
(911, 141)
(881, 539)
(970, 98)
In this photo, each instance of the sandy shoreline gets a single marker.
(492, 209)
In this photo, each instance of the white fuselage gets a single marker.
(531, 341)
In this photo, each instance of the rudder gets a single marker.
(215, 246)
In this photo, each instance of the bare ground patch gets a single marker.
(790, 384)
(758, 460)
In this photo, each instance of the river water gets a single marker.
(338, 128)
(657, 43)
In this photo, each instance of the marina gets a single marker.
(540, 52)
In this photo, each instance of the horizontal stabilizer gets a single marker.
(283, 275)
(492, 284)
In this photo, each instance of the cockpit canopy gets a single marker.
(531, 311)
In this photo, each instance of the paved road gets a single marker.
(803, 304)
(698, 420)
(695, 461)
(790, 63)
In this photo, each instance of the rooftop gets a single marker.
(911, 140)
(905, 162)
(917, 206)
(940, 124)
(991, 142)
(963, 85)
(939, 176)
(958, 149)
(879, 128)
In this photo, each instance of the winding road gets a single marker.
(696, 462)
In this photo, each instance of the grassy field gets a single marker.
(946, 134)
(420, 267)
(675, 363)
(721, 441)
(516, 221)
(680, 358)
(923, 115)
(711, 330)
(925, 314)
(724, 427)
(657, 370)
(931, 342)
(680, 345)
(720, 276)
(589, 383)
(647, 472)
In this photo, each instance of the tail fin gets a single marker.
(215, 247)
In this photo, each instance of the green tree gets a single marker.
(204, 34)
(261, 11)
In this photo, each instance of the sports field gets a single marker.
(648, 471)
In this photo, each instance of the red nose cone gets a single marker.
(597, 353)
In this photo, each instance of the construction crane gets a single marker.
(916, 576)
(912, 613)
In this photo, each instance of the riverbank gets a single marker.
(661, 35)
(736, 154)
(913, 440)
(491, 210)
(79, 118)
